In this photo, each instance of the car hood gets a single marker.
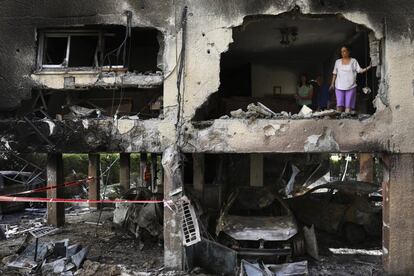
(256, 228)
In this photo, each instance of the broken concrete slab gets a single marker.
(239, 114)
(26, 259)
(305, 112)
(79, 257)
(120, 212)
(57, 266)
(72, 250)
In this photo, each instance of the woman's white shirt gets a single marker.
(346, 74)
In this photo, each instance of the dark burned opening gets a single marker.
(82, 51)
(55, 50)
(100, 46)
(269, 53)
(143, 103)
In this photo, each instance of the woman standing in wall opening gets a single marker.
(344, 80)
(304, 92)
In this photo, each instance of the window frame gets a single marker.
(98, 56)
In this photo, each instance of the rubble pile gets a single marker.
(34, 218)
(260, 111)
(47, 258)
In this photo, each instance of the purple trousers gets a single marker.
(346, 98)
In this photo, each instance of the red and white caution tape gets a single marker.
(65, 200)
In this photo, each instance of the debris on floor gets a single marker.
(260, 111)
(260, 269)
(83, 112)
(80, 248)
(25, 224)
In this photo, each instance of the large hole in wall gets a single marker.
(270, 53)
(247, 197)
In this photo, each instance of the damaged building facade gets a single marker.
(166, 77)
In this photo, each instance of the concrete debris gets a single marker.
(72, 250)
(52, 257)
(305, 111)
(260, 111)
(26, 259)
(260, 269)
(120, 212)
(83, 112)
(79, 257)
(239, 114)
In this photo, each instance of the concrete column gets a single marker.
(198, 172)
(173, 179)
(124, 172)
(153, 172)
(366, 167)
(398, 211)
(94, 171)
(54, 171)
(256, 169)
(143, 157)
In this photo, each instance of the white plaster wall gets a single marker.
(264, 77)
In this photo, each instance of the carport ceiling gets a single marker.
(318, 37)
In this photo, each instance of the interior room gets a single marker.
(270, 53)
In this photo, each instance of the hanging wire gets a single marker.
(346, 168)
(181, 73)
(366, 89)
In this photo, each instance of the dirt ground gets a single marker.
(114, 251)
(339, 258)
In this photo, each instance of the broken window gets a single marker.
(270, 53)
(107, 47)
(83, 51)
(55, 50)
(72, 49)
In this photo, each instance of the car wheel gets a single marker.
(298, 245)
(354, 233)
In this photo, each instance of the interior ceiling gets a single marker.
(259, 37)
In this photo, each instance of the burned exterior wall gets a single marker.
(20, 20)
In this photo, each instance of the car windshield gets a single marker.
(258, 204)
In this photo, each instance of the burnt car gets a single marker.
(12, 182)
(257, 223)
(352, 209)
